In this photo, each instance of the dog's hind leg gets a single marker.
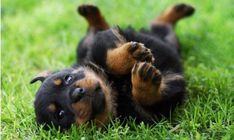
(173, 14)
(96, 22)
(163, 25)
(94, 17)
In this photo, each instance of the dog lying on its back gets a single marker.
(119, 73)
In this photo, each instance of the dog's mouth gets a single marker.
(83, 111)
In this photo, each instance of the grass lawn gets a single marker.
(41, 35)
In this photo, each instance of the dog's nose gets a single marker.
(77, 94)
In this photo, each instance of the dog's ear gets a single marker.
(40, 77)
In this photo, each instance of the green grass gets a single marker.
(39, 35)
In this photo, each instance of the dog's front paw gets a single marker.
(140, 52)
(146, 81)
(121, 59)
(146, 73)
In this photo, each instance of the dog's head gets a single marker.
(73, 96)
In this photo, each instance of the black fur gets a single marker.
(167, 61)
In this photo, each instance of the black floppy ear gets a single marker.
(40, 77)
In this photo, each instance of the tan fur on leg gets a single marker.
(120, 60)
(146, 84)
(173, 14)
(93, 16)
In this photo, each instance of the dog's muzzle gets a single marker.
(77, 94)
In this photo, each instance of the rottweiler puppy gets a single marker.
(119, 74)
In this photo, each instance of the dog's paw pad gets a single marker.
(140, 52)
(146, 82)
(147, 73)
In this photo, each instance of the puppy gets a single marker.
(119, 74)
(83, 90)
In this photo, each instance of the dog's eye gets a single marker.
(60, 114)
(68, 79)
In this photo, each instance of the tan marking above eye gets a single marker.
(51, 108)
(57, 82)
